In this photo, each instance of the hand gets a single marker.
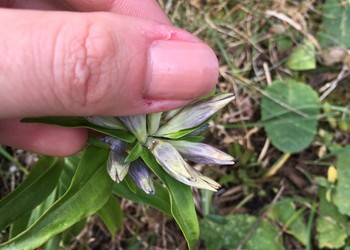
(92, 57)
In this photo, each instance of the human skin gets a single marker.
(99, 57)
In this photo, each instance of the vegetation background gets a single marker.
(287, 62)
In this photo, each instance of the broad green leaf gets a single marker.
(302, 57)
(285, 212)
(40, 182)
(53, 243)
(160, 200)
(229, 232)
(40, 210)
(81, 122)
(289, 112)
(181, 201)
(342, 191)
(89, 191)
(67, 174)
(331, 225)
(112, 215)
(69, 235)
(134, 153)
(334, 31)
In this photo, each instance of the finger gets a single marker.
(35, 4)
(147, 9)
(97, 63)
(42, 139)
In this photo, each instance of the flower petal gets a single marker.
(195, 114)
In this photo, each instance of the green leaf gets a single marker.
(331, 225)
(135, 153)
(342, 191)
(40, 182)
(29, 218)
(81, 122)
(334, 31)
(181, 201)
(285, 212)
(159, 200)
(302, 57)
(89, 191)
(230, 231)
(67, 174)
(112, 215)
(69, 235)
(289, 112)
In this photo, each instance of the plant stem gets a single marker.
(278, 165)
(13, 160)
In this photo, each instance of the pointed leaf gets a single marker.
(134, 153)
(40, 182)
(112, 215)
(89, 191)
(181, 200)
(160, 200)
(81, 122)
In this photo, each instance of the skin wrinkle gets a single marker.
(88, 53)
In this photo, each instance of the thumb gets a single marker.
(61, 63)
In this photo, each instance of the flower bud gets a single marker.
(140, 175)
(153, 121)
(170, 114)
(116, 167)
(171, 161)
(106, 122)
(137, 125)
(195, 114)
(114, 143)
(202, 153)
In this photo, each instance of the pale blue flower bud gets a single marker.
(114, 143)
(139, 173)
(202, 153)
(106, 122)
(171, 161)
(153, 121)
(195, 114)
(116, 166)
(137, 125)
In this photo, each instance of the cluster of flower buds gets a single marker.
(164, 135)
